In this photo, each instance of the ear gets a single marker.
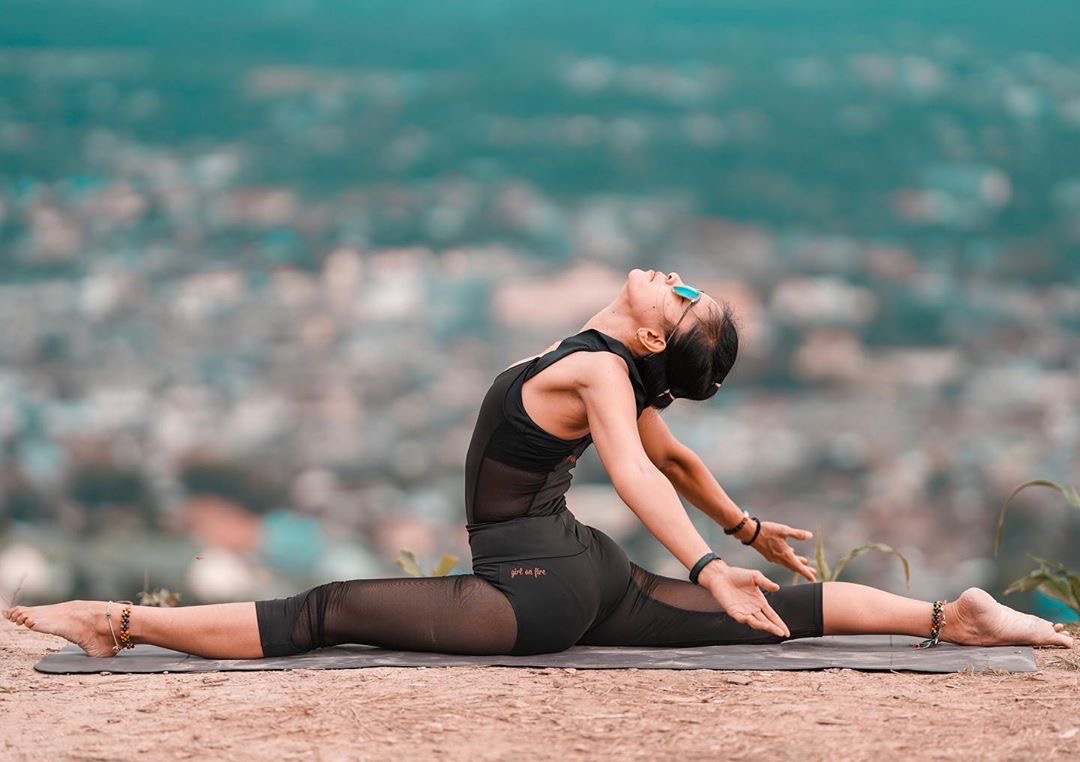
(650, 340)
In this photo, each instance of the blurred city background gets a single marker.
(259, 262)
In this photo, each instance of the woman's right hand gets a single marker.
(738, 591)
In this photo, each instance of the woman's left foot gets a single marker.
(976, 619)
(81, 622)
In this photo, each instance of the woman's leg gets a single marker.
(660, 611)
(973, 619)
(457, 614)
(222, 631)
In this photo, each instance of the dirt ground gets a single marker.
(466, 713)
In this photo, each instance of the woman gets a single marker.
(542, 581)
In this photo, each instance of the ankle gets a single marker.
(118, 621)
(937, 620)
(954, 628)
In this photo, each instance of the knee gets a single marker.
(467, 586)
(301, 618)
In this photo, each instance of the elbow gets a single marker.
(674, 462)
(632, 478)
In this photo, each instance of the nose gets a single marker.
(673, 279)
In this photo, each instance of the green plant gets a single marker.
(827, 574)
(1054, 580)
(1070, 493)
(159, 597)
(407, 561)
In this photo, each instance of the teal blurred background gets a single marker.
(260, 260)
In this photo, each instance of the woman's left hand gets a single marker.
(772, 544)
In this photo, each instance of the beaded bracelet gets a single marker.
(757, 531)
(937, 621)
(124, 641)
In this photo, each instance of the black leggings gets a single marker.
(541, 604)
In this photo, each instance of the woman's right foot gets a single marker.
(976, 619)
(81, 622)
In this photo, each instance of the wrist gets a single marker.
(748, 530)
(732, 528)
(753, 531)
(713, 570)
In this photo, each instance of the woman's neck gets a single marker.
(618, 324)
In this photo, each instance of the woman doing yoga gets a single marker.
(541, 580)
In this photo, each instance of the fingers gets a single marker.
(801, 565)
(808, 571)
(774, 618)
(797, 534)
(765, 583)
(760, 620)
(776, 624)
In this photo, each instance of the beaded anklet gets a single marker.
(937, 621)
(124, 641)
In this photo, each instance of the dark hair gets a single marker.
(694, 361)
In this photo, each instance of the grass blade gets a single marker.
(407, 561)
(1071, 495)
(819, 559)
(1026, 583)
(446, 564)
(879, 546)
(1074, 586)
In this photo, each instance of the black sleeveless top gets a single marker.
(514, 469)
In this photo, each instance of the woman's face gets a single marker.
(652, 301)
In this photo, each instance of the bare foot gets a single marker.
(976, 619)
(81, 622)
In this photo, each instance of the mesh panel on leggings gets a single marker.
(461, 614)
(661, 611)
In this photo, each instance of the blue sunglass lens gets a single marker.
(687, 292)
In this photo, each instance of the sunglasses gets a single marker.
(665, 397)
(686, 292)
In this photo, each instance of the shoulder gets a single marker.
(596, 368)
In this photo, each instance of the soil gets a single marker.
(493, 713)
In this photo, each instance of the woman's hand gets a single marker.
(772, 544)
(738, 591)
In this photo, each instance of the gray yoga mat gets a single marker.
(862, 652)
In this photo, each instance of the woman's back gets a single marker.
(514, 468)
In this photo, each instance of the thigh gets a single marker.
(661, 611)
(555, 600)
(460, 614)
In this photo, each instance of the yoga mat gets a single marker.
(862, 652)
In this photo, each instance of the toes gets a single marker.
(1059, 627)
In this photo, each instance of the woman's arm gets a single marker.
(609, 403)
(691, 479)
